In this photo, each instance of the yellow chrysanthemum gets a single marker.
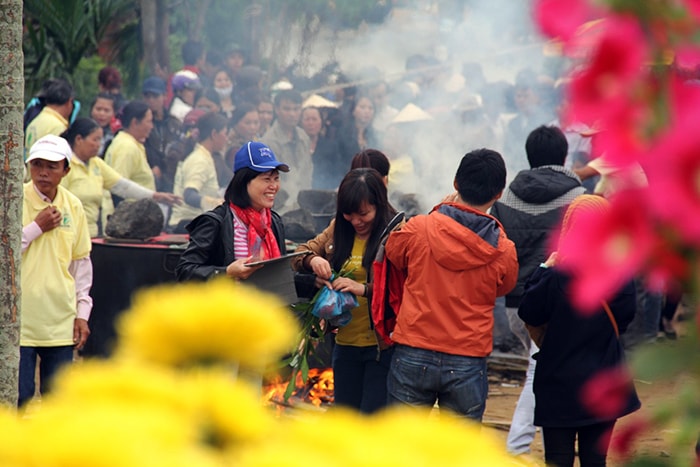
(109, 435)
(200, 323)
(229, 412)
(399, 436)
(129, 382)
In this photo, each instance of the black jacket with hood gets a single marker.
(529, 211)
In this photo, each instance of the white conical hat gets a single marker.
(411, 113)
(314, 100)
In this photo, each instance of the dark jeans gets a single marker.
(593, 441)
(359, 377)
(421, 377)
(52, 359)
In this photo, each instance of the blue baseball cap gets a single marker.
(258, 157)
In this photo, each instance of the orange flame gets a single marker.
(317, 390)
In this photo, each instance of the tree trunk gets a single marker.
(11, 172)
(148, 34)
(196, 32)
(162, 34)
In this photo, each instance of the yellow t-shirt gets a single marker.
(48, 122)
(128, 157)
(48, 289)
(199, 172)
(358, 332)
(88, 182)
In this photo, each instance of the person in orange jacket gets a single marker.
(458, 259)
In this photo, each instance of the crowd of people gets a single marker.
(224, 155)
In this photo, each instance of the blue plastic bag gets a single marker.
(334, 306)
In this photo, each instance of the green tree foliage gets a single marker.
(59, 34)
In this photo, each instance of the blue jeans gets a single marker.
(359, 377)
(52, 359)
(421, 377)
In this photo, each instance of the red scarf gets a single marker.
(260, 234)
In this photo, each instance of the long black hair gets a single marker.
(358, 186)
(82, 127)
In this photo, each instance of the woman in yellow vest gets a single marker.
(90, 175)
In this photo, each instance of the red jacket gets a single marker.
(458, 261)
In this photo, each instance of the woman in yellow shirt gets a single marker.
(90, 175)
(348, 246)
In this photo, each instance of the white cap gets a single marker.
(51, 148)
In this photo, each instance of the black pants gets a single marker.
(593, 440)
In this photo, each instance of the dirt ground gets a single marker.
(504, 390)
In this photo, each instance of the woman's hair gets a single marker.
(358, 186)
(237, 190)
(239, 112)
(372, 158)
(209, 122)
(80, 127)
(133, 110)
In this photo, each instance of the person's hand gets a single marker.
(49, 218)
(167, 198)
(552, 260)
(239, 270)
(322, 268)
(81, 331)
(345, 284)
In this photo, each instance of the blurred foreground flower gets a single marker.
(217, 322)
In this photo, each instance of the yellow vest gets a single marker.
(88, 182)
(128, 157)
(48, 289)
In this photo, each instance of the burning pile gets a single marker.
(317, 390)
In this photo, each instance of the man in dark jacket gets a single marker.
(531, 207)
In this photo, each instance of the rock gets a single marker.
(139, 219)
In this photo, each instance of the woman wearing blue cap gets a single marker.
(244, 228)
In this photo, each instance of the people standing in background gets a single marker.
(357, 134)
(196, 179)
(166, 130)
(458, 259)
(530, 209)
(328, 170)
(56, 96)
(90, 176)
(185, 84)
(223, 85)
(127, 154)
(56, 269)
(579, 357)
(290, 143)
(103, 111)
(266, 110)
(109, 81)
(244, 126)
(348, 247)
(234, 60)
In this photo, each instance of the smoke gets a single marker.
(469, 55)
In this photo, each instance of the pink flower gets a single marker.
(562, 18)
(673, 166)
(693, 7)
(605, 250)
(605, 86)
(606, 393)
(625, 436)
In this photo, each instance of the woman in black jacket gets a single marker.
(581, 382)
(244, 228)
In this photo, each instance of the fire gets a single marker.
(317, 390)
